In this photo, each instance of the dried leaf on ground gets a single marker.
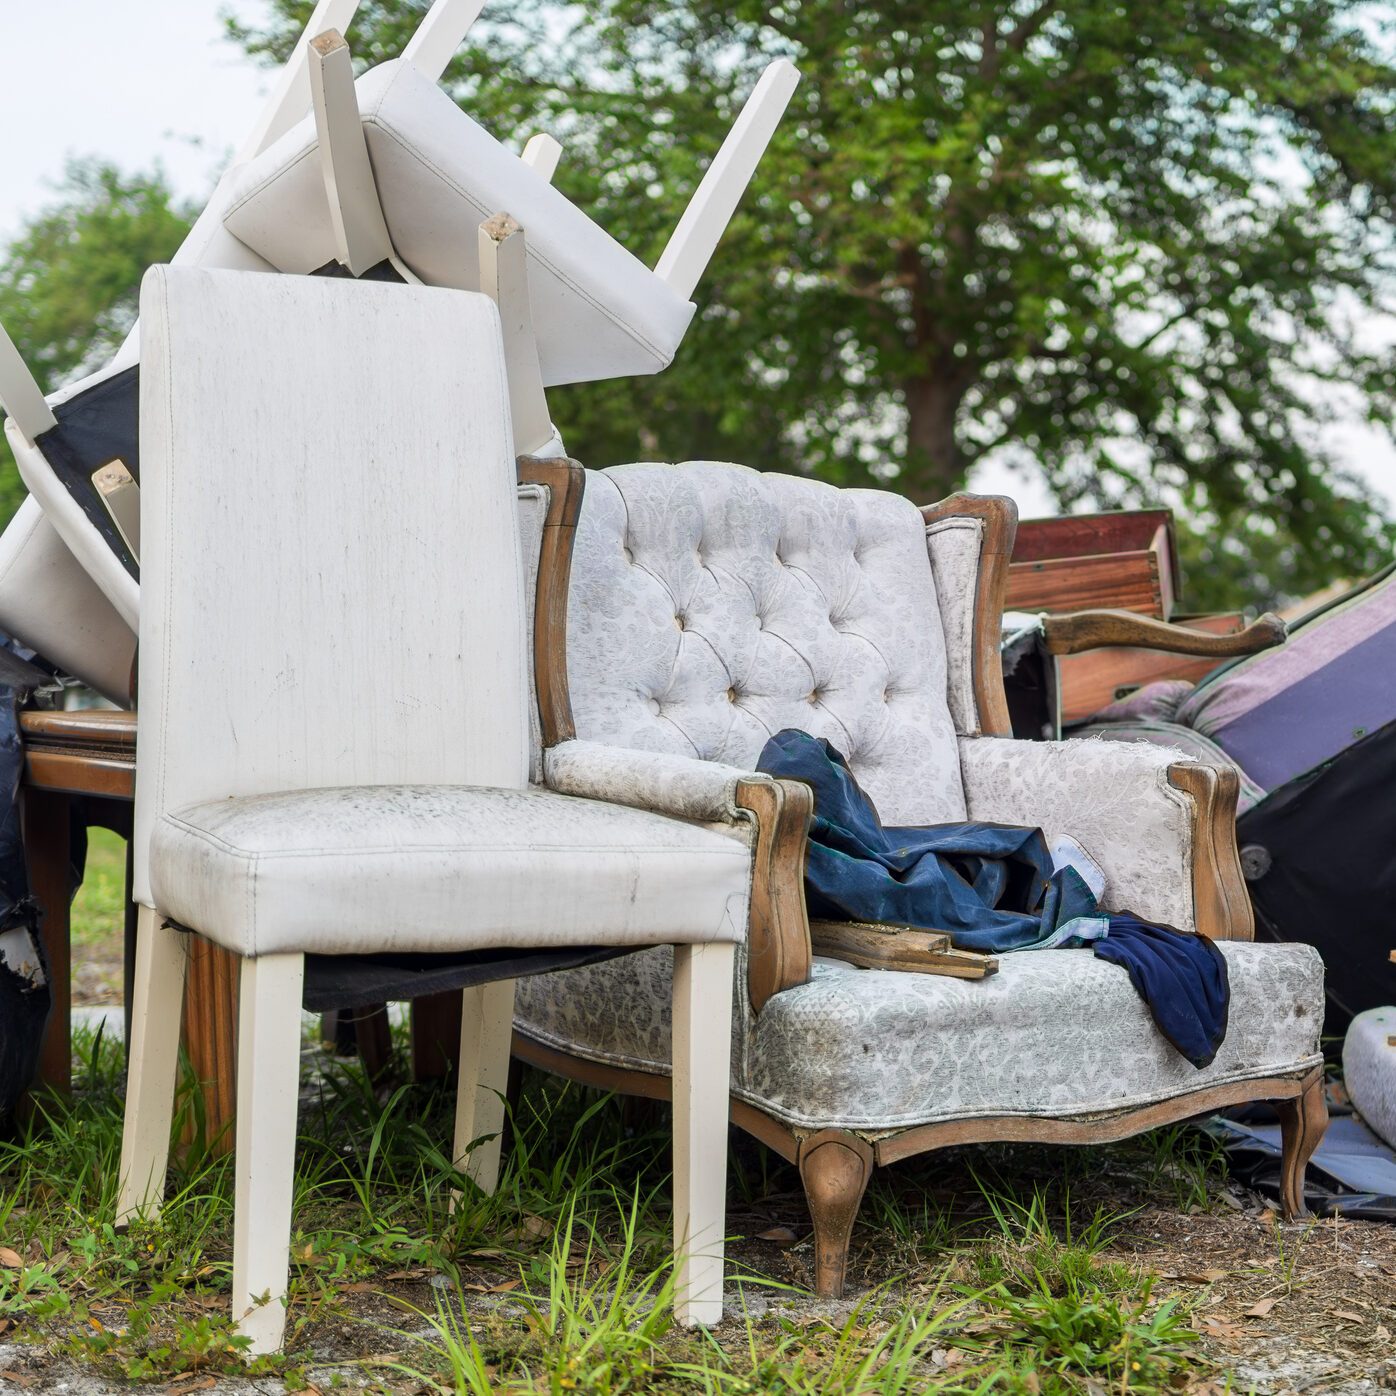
(11, 1260)
(1263, 1308)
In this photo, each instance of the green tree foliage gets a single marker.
(70, 279)
(1133, 245)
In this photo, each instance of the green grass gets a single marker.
(561, 1281)
(100, 906)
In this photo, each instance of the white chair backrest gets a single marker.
(332, 580)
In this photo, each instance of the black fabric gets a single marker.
(354, 981)
(95, 428)
(24, 1004)
(991, 887)
(380, 271)
(1320, 860)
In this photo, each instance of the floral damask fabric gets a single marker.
(954, 546)
(1054, 1032)
(681, 786)
(1112, 797)
(712, 605)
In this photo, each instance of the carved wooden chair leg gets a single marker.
(835, 1167)
(1303, 1120)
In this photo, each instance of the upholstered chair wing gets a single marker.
(710, 606)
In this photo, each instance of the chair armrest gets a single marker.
(1093, 630)
(1162, 827)
(778, 811)
(681, 786)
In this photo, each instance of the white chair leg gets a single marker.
(356, 214)
(440, 34)
(504, 279)
(20, 395)
(157, 999)
(699, 230)
(702, 1055)
(486, 1028)
(269, 1058)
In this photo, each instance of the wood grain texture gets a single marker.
(1043, 1129)
(877, 945)
(778, 944)
(566, 483)
(1221, 906)
(211, 1039)
(1087, 682)
(1091, 630)
(835, 1167)
(1303, 1120)
(1086, 535)
(46, 821)
(999, 515)
(1127, 581)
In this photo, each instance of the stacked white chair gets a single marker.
(386, 178)
(329, 473)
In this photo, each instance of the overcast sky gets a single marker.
(153, 80)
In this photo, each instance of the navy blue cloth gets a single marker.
(993, 888)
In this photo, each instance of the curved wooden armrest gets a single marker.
(778, 943)
(1221, 904)
(1093, 630)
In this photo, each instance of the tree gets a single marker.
(1133, 245)
(70, 280)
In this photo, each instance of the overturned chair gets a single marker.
(710, 606)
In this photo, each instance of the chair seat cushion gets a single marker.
(1054, 1032)
(438, 868)
(598, 311)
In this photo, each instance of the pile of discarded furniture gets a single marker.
(302, 470)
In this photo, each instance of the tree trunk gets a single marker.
(935, 466)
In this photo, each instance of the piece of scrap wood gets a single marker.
(882, 945)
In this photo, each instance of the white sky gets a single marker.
(153, 80)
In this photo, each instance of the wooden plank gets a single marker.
(48, 852)
(211, 1038)
(1119, 581)
(1084, 535)
(877, 945)
(1087, 682)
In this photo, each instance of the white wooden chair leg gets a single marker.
(290, 96)
(541, 155)
(20, 395)
(356, 213)
(440, 34)
(504, 279)
(702, 1056)
(486, 1029)
(694, 241)
(269, 1058)
(152, 1064)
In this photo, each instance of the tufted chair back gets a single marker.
(712, 605)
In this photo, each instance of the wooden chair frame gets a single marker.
(836, 1165)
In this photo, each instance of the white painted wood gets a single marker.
(440, 34)
(702, 1043)
(710, 211)
(289, 99)
(20, 395)
(269, 1059)
(156, 1004)
(542, 153)
(486, 1027)
(360, 230)
(504, 278)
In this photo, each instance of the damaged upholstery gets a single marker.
(711, 606)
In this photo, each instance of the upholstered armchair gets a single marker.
(710, 606)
